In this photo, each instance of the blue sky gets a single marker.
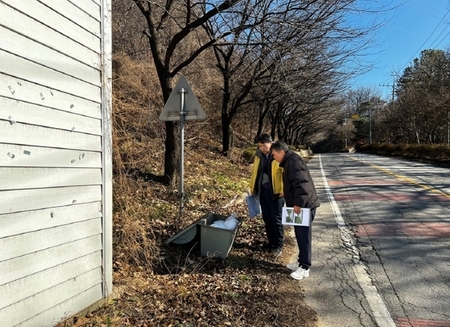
(413, 26)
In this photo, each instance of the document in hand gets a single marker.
(288, 217)
(254, 208)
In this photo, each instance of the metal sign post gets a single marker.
(183, 92)
(182, 108)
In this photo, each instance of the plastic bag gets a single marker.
(254, 208)
(230, 223)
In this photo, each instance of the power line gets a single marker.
(429, 36)
(431, 45)
(420, 48)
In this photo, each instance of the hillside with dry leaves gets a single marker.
(163, 284)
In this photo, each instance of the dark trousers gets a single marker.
(303, 234)
(271, 213)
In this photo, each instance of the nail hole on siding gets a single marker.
(73, 128)
(74, 201)
(11, 120)
(42, 96)
(52, 214)
(71, 106)
(72, 161)
(81, 156)
(11, 89)
(51, 92)
(11, 155)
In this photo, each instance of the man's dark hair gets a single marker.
(264, 138)
(278, 146)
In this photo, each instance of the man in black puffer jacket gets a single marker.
(299, 192)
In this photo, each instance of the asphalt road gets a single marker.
(381, 242)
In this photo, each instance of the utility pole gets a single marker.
(370, 123)
(345, 126)
(393, 88)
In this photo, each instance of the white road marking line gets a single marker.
(379, 310)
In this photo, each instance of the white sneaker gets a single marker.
(292, 266)
(300, 273)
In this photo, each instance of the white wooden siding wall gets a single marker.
(55, 159)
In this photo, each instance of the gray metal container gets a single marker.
(216, 242)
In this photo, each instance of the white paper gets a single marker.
(288, 217)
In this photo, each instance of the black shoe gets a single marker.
(276, 252)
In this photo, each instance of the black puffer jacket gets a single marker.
(299, 187)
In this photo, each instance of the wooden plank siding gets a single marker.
(92, 8)
(55, 159)
(38, 31)
(41, 302)
(23, 91)
(28, 178)
(33, 156)
(57, 21)
(59, 274)
(15, 133)
(27, 265)
(31, 114)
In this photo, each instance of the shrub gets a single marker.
(249, 154)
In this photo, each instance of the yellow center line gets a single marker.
(407, 179)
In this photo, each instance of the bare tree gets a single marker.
(244, 58)
(169, 23)
(309, 47)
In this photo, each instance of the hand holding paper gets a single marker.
(290, 217)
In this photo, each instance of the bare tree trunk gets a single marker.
(263, 110)
(171, 157)
(227, 134)
(260, 125)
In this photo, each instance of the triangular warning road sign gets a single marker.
(172, 108)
